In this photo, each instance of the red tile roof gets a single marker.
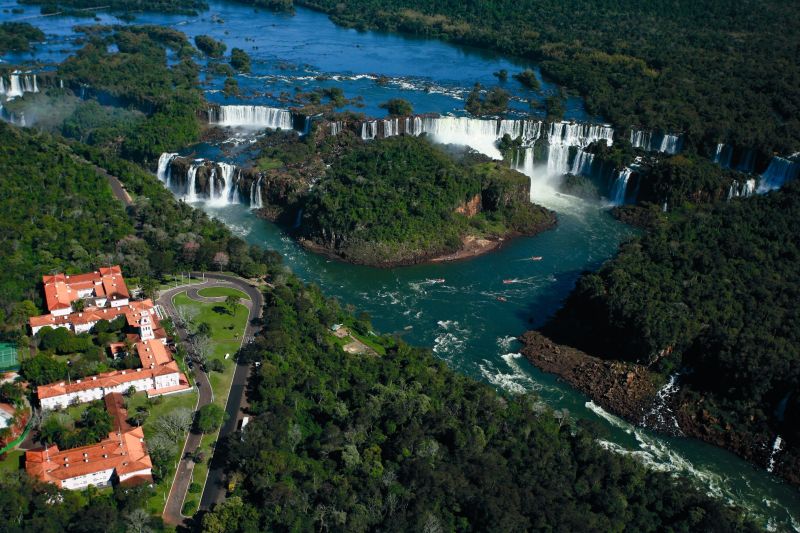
(124, 450)
(105, 380)
(60, 290)
(133, 313)
(153, 352)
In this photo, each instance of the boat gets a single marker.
(437, 280)
(509, 281)
(536, 258)
(501, 299)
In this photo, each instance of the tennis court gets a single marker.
(8, 356)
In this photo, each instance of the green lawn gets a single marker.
(75, 412)
(11, 463)
(211, 292)
(157, 408)
(226, 337)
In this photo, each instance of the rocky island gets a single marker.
(403, 201)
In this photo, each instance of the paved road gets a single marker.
(116, 185)
(183, 476)
(214, 490)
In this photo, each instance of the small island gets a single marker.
(402, 201)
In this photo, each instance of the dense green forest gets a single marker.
(184, 7)
(58, 214)
(676, 180)
(715, 70)
(711, 293)
(137, 74)
(402, 199)
(18, 36)
(274, 5)
(29, 506)
(399, 442)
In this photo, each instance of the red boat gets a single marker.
(509, 281)
(501, 299)
(536, 258)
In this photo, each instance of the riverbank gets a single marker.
(472, 246)
(642, 398)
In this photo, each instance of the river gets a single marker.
(461, 319)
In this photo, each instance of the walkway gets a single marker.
(183, 475)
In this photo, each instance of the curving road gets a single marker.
(214, 490)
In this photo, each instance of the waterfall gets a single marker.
(19, 84)
(413, 126)
(336, 128)
(483, 135)
(298, 219)
(524, 162)
(581, 135)
(480, 135)
(778, 172)
(251, 116)
(742, 189)
(723, 155)
(218, 196)
(226, 172)
(14, 87)
(670, 144)
(191, 194)
(211, 179)
(164, 171)
(369, 130)
(391, 127)
(582, 164)
(557, 159)
(255, 195)
(661, 416)
(640, 139)
(666, 143)
(529, 131)
(617, 195)
(777, 446)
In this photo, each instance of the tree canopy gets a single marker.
(399, 442)
(711, 293)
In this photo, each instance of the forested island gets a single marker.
(403, 200)
(387, 202)
(18, 36)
